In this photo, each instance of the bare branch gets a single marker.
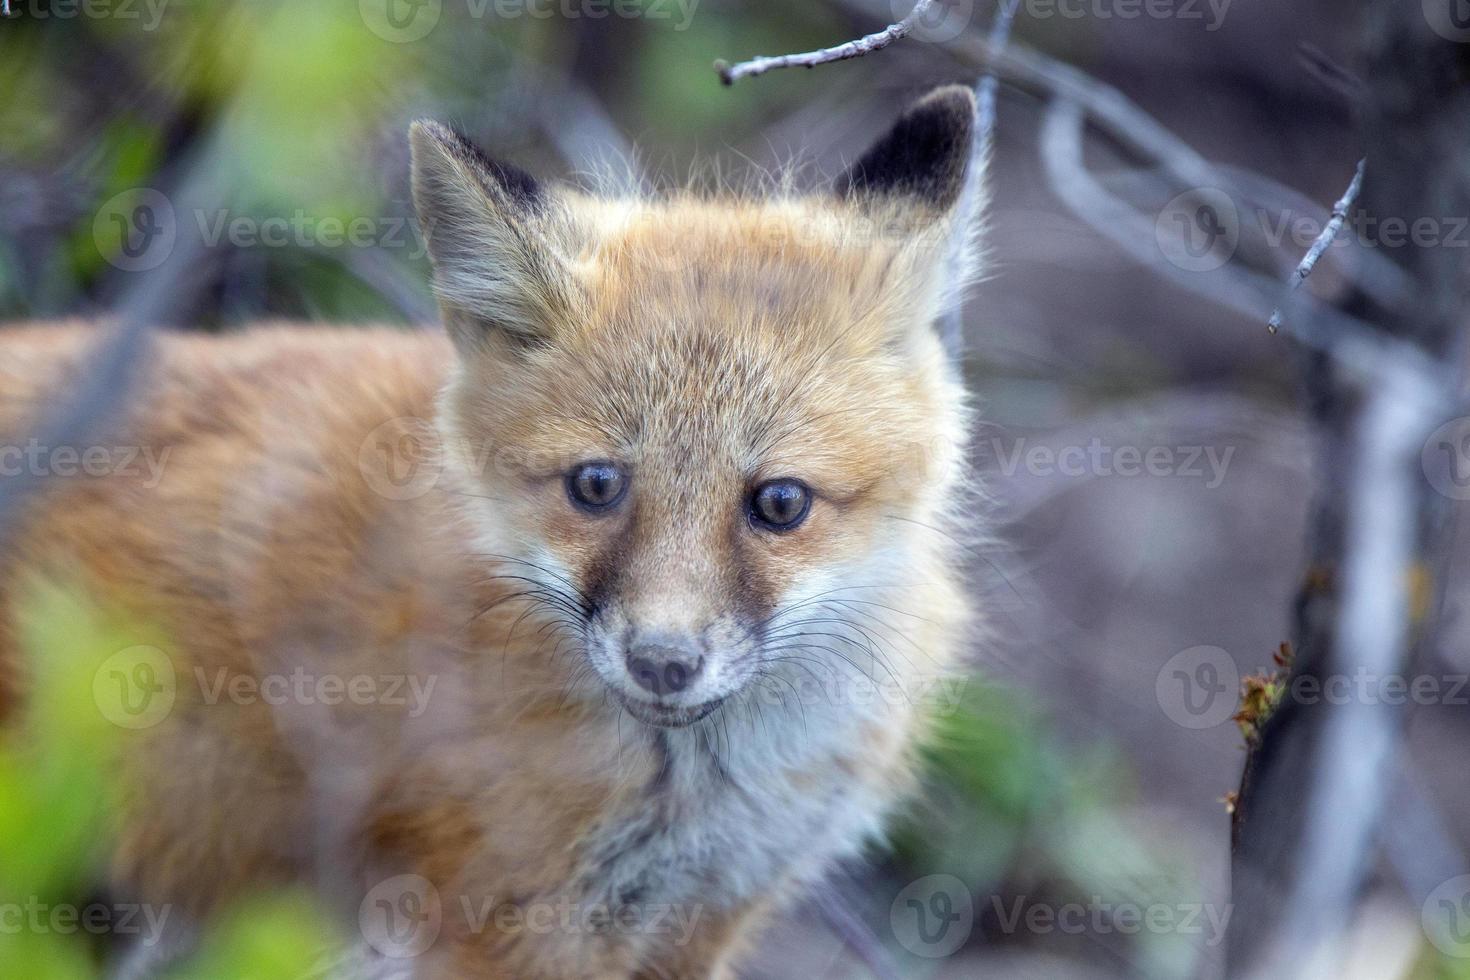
(1354, 344)
(119, 359)
(1328, 236)
(973, 200)
(985, 92)
(837, 911)
(1360, 738)
(730, 74)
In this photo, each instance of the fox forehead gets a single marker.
(797, 268)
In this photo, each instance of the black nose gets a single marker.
(663, 670)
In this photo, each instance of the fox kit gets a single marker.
(572, 643)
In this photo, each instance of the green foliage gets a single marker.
(1012, 807)
(59, 783)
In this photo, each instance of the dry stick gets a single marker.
(1352, 343)
(985, 96)
(1129, 126)
(730, 74)
(1359, 739)
(973, 199)
(1106, 107)
(1328, 236)
(985, 91)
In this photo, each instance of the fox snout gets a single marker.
(670, 674)
(665, 668)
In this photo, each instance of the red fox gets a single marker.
(571, 642)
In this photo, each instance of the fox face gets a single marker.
(723, 431)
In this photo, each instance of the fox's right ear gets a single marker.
(925, 157)
(491, 229)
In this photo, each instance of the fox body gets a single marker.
(615, 610)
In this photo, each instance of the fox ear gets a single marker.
(925, 156)
(499, 270)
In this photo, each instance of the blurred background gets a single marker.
(1148, 462)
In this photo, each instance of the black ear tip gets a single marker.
(422, 130)
(954, 103)
(501, 179)
(925, 155)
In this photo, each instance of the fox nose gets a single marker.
(664, 670)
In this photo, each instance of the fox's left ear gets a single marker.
(925, 157)
(499, 243)
(923, 180)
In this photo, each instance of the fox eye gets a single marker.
(596, 486)
(780, 505)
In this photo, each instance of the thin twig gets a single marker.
(97, 403)
(730, 74)
(1333, 76)
(1328, 236)
(985, 92)
(972, 203)
(1356, 345)
(854, 932)
(1360, 738)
